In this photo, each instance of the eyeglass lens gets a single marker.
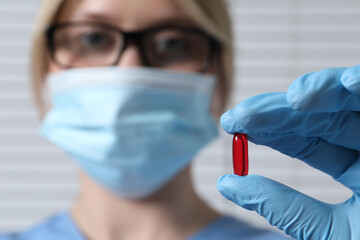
(176, 49)
(85, 46)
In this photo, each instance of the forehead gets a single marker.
(127, 14)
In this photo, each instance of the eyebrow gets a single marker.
(95, 16)
(174, 21)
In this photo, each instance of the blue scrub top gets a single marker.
(62, 227)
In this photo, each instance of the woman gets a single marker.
(134, 86)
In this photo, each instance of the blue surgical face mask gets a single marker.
(131, 129)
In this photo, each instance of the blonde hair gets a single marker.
(210, 15)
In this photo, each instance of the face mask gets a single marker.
(131, 129)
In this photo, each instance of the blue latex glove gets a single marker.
(318, 122)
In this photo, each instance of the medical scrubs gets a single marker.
(62, 227)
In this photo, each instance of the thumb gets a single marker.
(294, 213)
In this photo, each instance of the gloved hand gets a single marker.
(317, 121)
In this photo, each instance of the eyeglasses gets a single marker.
(84, 44)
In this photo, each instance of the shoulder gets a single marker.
(231, 228)
(59, 227)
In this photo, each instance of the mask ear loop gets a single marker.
(46, 98)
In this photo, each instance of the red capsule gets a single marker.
(240, 154)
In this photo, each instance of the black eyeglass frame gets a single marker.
(136, 37)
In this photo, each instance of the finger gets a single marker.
(300, 216)
(351, 79)
(351, 176)
(270, 113)
(318, 153)
(329, 90)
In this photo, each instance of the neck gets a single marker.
(175, 212)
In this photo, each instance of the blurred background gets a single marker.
(276, 42)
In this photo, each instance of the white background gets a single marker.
(276, 42)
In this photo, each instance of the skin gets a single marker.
(175, 212)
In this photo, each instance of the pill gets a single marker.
(240, 154)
